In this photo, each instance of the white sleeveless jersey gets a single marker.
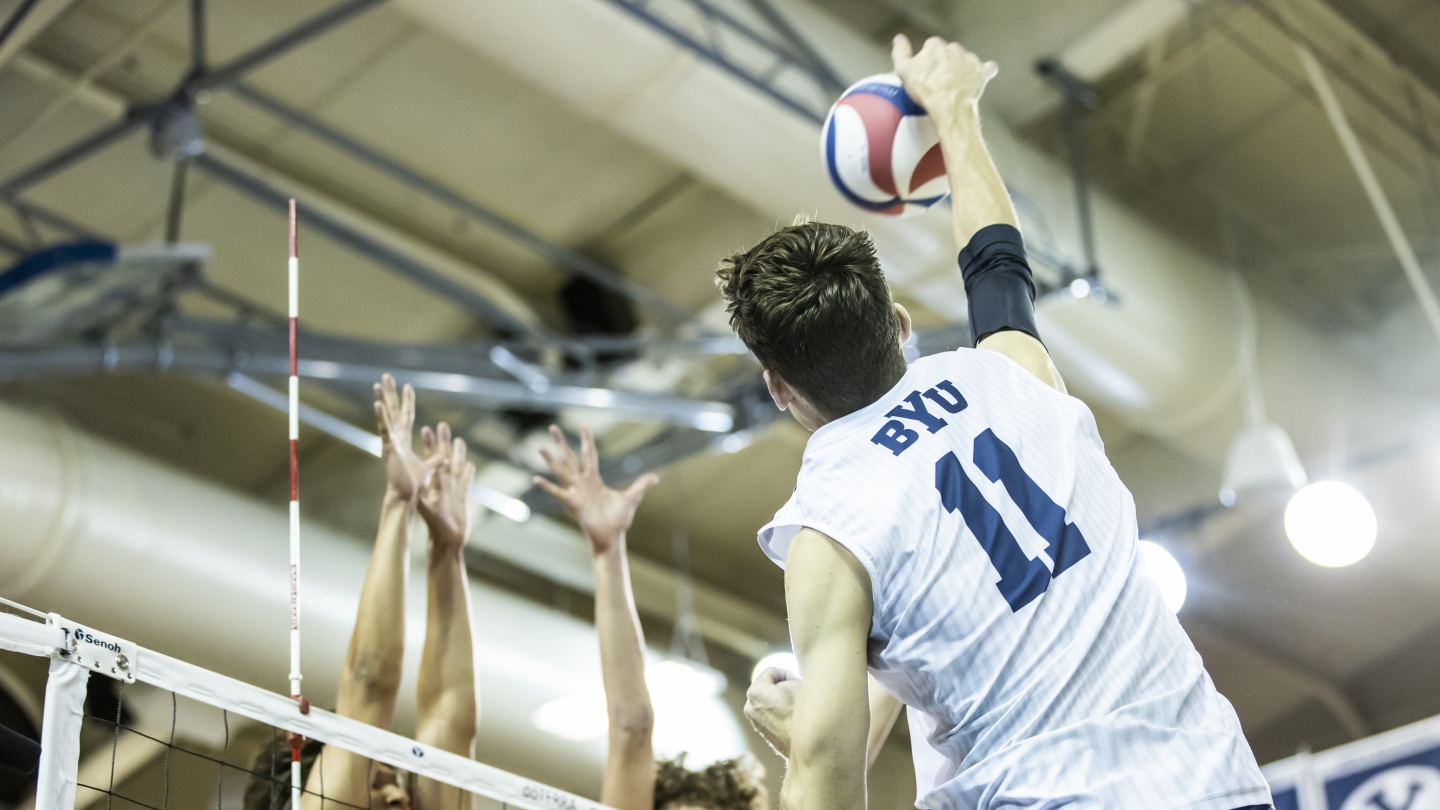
(1040, 666)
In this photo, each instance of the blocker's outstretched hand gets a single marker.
(943, 77)
(395, 419)
(443, 501)
(604, 514)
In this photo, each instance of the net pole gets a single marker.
(293, 273)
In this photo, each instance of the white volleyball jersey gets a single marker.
(1009, 608)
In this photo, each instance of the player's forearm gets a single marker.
(371, 677)
(629, 777)
(828, 746)
(445, 689)
(622, 650)
(978, 196)
(823, 776)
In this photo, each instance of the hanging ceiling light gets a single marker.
(1261, 456)
(1331, 524)
(1162, 569)
(690, 714)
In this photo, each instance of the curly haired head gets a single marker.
(811, 302)
(732, 784)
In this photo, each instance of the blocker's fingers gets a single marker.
(562, 447)
(901, 52)
(387, 383)
(589, 458)
(457, 458)
(427, 441)
(407, 405)
(442, 437)
(991, 69)
(380, 424)
(550, 487)
(637, 490)
(933, 44)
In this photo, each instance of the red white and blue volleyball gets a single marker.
(882, 151)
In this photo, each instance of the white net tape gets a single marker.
(75, 651)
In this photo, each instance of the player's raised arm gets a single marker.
(948, 81)
(370, 680)
(827, 594)
(604, 515)
(445, 692)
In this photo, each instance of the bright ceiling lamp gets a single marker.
(673, 680)
(580, 717)
(779, 660)
(1331, 524)
(690, 716)
(1165, 572)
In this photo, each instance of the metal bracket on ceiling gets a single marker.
(1079, 97)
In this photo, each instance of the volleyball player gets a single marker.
(434, 487)
(633, 780)
(957, 529)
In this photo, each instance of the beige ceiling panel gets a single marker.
(493, 136)
(340, 291)
(677, 250)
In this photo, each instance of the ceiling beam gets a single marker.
(571, 260)
(25, 20)
(1361, 22)
(1101, 49)
(322, 361)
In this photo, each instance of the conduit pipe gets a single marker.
(1164, 360)
(116, 541)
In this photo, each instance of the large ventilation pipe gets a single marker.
(1164, 360)
(113, 540)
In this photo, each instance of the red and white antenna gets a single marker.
(295, 739)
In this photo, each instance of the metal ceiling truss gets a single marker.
(16, 17)
(398, 262)
(183, 95)
(779, 62)
(573, 261)
(175, 132)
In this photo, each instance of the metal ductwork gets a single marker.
(1163, 360)
(111, 539)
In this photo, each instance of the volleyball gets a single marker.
(882, 151)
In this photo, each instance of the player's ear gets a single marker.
(780, 391)
(906, 327)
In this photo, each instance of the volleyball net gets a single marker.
(128, 728)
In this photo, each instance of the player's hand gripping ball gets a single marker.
(882, 151)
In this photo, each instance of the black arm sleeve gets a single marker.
(998, 283)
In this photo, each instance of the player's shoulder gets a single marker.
(976, 363)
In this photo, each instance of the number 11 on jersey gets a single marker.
(1021, 578)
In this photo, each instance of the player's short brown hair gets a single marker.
(732, 784)
(811, 302)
